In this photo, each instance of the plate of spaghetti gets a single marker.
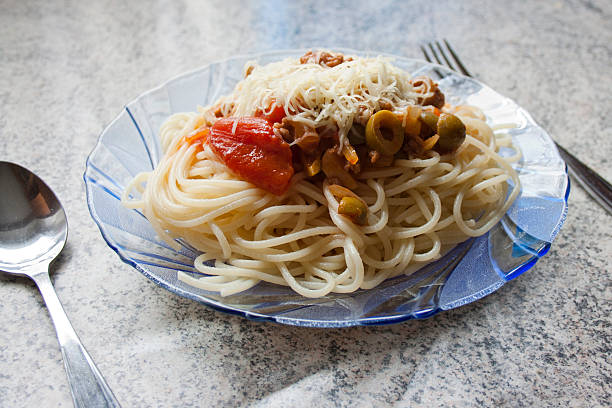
(327, 188)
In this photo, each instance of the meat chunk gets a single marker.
(385, 105)
(323, 58)
(283, 132)
(298, 134)
(426, 86)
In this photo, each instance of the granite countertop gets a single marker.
(67, 69)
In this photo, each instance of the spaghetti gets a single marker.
(417, 203)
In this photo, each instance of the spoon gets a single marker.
(33, 231)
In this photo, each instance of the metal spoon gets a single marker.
(33, 231)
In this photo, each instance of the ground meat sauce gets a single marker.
(323, 58)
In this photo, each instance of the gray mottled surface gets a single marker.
(67, 68)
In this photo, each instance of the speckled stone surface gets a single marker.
(67, 68)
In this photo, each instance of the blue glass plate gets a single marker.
(470, 271)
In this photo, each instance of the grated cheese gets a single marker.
(322, 97)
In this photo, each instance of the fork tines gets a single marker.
(432, 55)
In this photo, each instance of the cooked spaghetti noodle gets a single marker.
(418, 206)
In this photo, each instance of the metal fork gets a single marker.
(593, 183)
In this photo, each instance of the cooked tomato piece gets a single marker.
(253, 152)
(274, 114)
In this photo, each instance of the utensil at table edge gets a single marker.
(33, 231)
(599, 188)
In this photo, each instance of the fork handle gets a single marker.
(592, 182)
(87, 385)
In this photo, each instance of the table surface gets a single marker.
(67, 69)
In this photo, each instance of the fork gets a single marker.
(593, 183)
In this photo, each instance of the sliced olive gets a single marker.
(384, 133)
(354, 209)
(430, 119)
(430, 124)
(452, 133)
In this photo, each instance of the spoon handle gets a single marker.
(87, 385)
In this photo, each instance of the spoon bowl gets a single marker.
(33, 226)
(33, 231)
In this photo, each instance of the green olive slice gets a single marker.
(354, 209)
(452, 133)
(430, 119)
(384, 133)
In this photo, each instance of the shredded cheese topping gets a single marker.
(319, 96)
